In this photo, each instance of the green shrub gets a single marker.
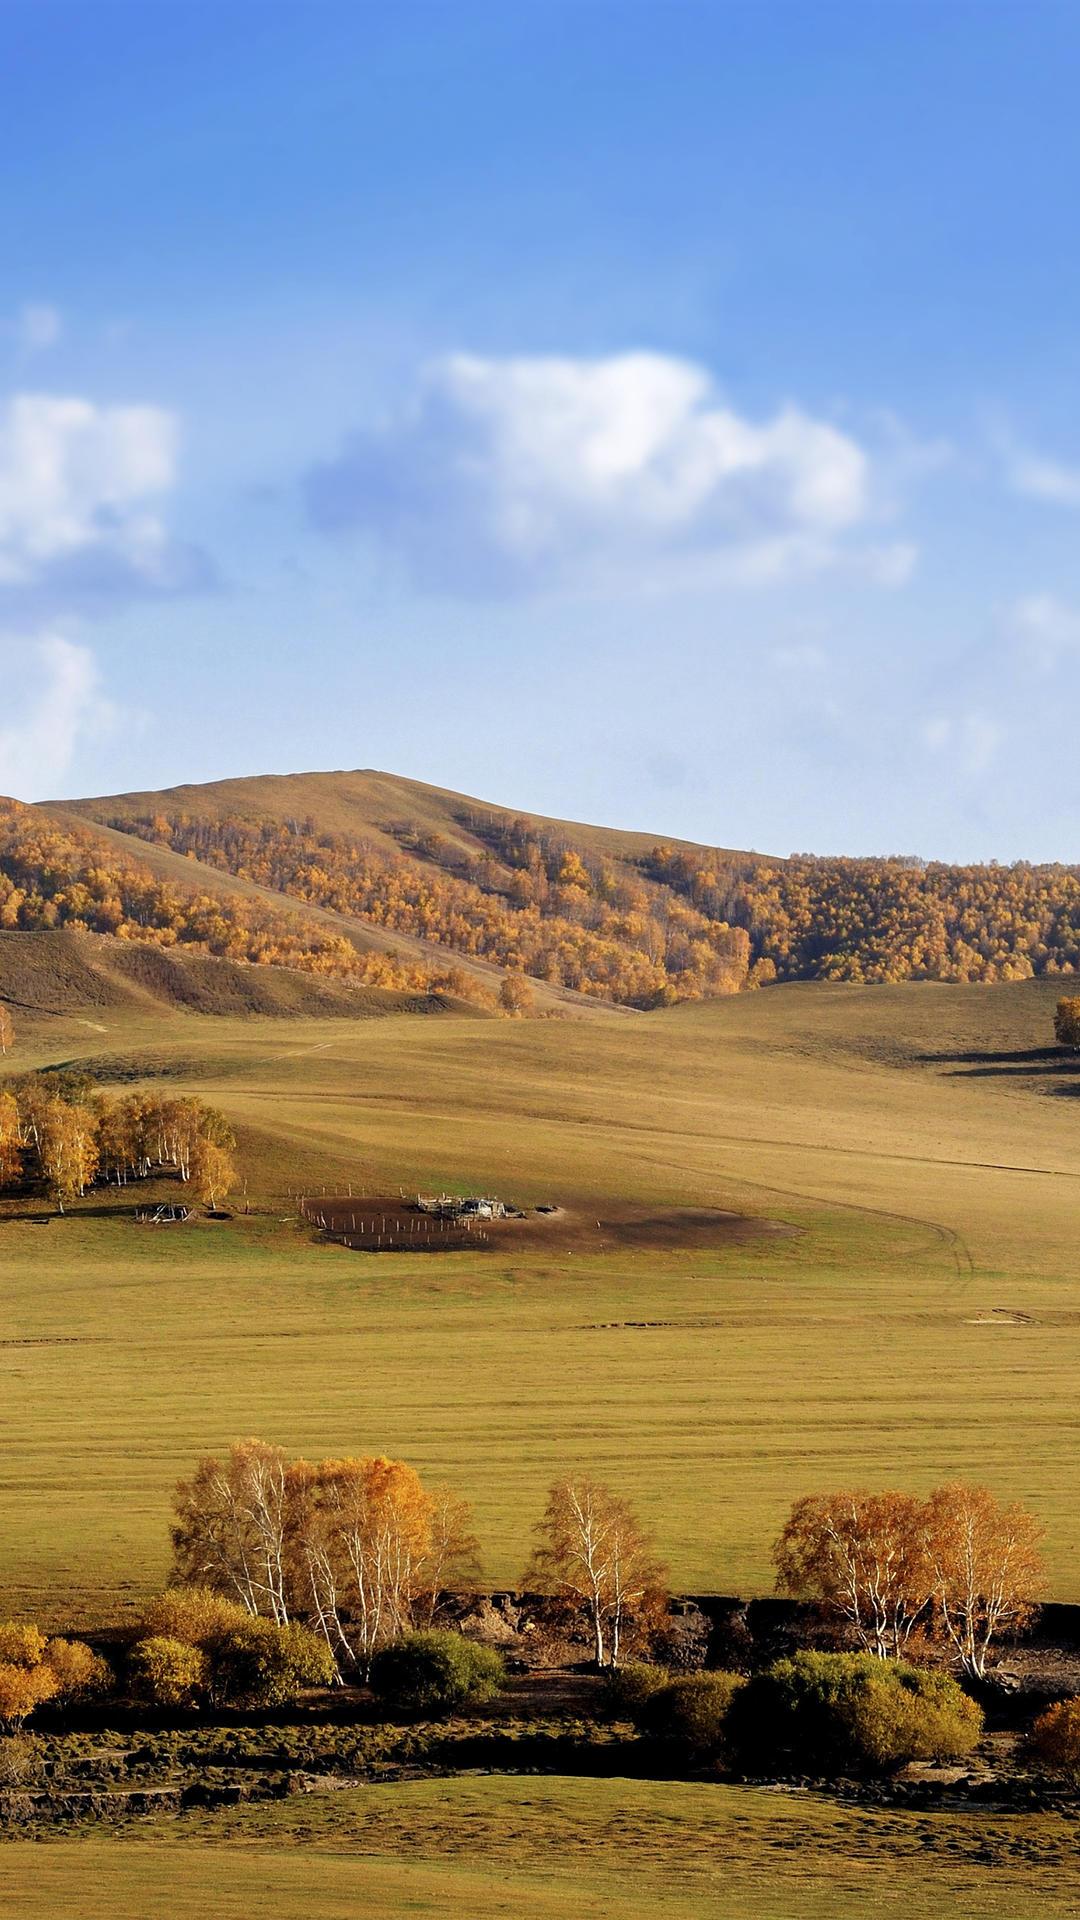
(1054, 1741)
(832, 1712)
(164, 1672)
(628, 1689)
(433, 1672)
(259, 1664)
(691, 1712)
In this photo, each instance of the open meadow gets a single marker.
(915, 1318)
(555, 1849)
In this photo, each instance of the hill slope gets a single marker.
(617, 915)
(63, 974)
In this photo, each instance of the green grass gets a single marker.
(554, 1849)
(928, 1193)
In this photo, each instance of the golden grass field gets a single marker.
(922, 1321)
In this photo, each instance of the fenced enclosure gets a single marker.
(389, 1226)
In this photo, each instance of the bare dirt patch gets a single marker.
(388, 1224)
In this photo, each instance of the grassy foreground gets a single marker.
(923, 1321)
(497, 1849)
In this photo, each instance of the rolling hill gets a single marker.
(619, 916)
(388, 884)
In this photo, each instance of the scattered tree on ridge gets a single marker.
(515, 994)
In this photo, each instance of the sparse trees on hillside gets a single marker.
(53, 876)
(7, 1030)
(592, 1550)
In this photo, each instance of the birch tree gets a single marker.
(67, 1149)
(986, 1565)
(231, 1526)
(864, 1557)
(591, 1550)
(7, 1030)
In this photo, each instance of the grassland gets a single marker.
(922, 1321)
(498, 1849)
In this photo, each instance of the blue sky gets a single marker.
(665, 414)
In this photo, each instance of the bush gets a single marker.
(627, 1690)
(164, 1672)
(1054, 1741)
(834, 1711)
(81, 1674)
(259, 1664)
(20, 1760)
(196, 1615)
(692, 1711)
(21, 1690)
(435, 1671)
(21, 1646)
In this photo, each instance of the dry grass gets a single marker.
(923, 1322)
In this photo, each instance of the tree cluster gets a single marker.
(54, 1125)
(879, 920)
(198, 1648)
(361, 1548)
(959, 1567)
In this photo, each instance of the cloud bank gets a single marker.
(516, 475)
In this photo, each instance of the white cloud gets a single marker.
(506, 475)
(74, 476)
(1043, 628)
(39, 326)
(52, 705)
